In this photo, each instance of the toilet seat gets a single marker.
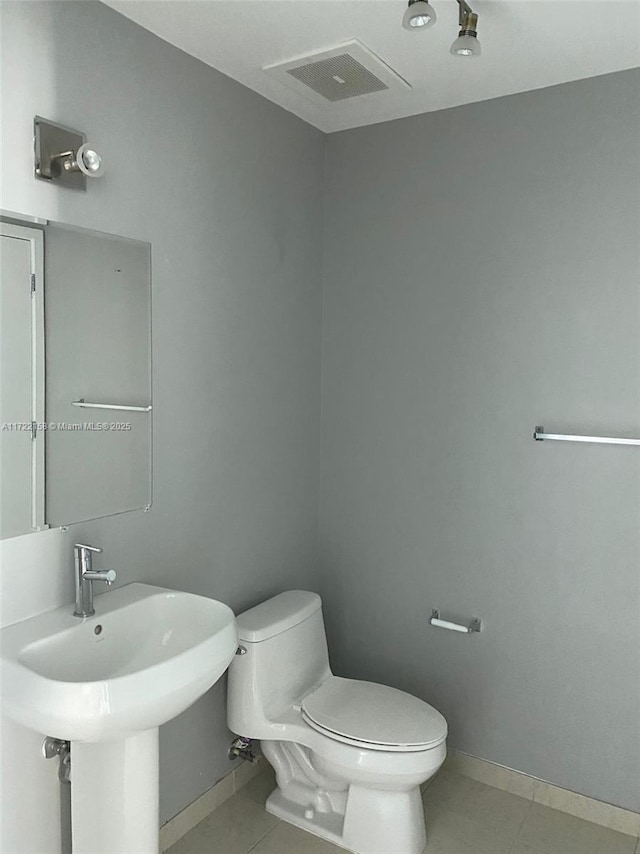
(373, 716)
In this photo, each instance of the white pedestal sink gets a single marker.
(106, 683)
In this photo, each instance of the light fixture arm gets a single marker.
(464, 10)
(67, 161)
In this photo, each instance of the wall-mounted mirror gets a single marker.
(75, 375)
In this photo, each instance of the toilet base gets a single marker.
(326, 825)
(374, 822)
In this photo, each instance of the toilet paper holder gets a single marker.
(474, 626)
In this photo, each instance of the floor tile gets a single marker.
(234, 828)
(287, 839)
(518, 848)
(245, 771)
(496, 810)
(464, 816)
(554, 832)
(191, 843)
(196, 812)
(453, 834)
(259, 789)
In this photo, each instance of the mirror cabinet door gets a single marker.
(81, 370)
(98, 341)
(21, 380)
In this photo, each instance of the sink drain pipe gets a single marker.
(57, 747)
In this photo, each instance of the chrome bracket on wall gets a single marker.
(50, 140)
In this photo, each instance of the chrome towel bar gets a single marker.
(82, 403)
(539, 435)
(474, 626)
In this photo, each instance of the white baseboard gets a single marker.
(187, 819)
(598, 812)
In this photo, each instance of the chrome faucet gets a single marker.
(85, 576)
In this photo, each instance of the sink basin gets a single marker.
(146, 655)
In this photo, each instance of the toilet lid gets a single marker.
(378, 716)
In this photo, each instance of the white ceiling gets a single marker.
(526, 44)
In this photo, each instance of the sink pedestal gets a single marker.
(114, 795)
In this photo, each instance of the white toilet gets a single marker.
(349, 756)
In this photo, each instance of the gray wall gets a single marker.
(481, 277)
(227, 188)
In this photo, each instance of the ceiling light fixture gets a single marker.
(467, 43)
(419, 15)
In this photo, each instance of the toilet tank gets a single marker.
(286, 657)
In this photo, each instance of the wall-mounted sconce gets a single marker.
(64, 156)
(420, 15)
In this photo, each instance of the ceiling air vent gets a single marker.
(347, 71)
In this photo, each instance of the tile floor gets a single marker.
(463, 817)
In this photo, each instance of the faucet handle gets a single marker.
(95, 549)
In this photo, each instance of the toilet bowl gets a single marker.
(349, 756)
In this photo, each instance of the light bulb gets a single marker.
(419, 15)
(89, 161)
(466, 45)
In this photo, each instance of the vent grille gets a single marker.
(338, 78)
(329, 76)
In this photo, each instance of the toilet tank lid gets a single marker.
(276, 615)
